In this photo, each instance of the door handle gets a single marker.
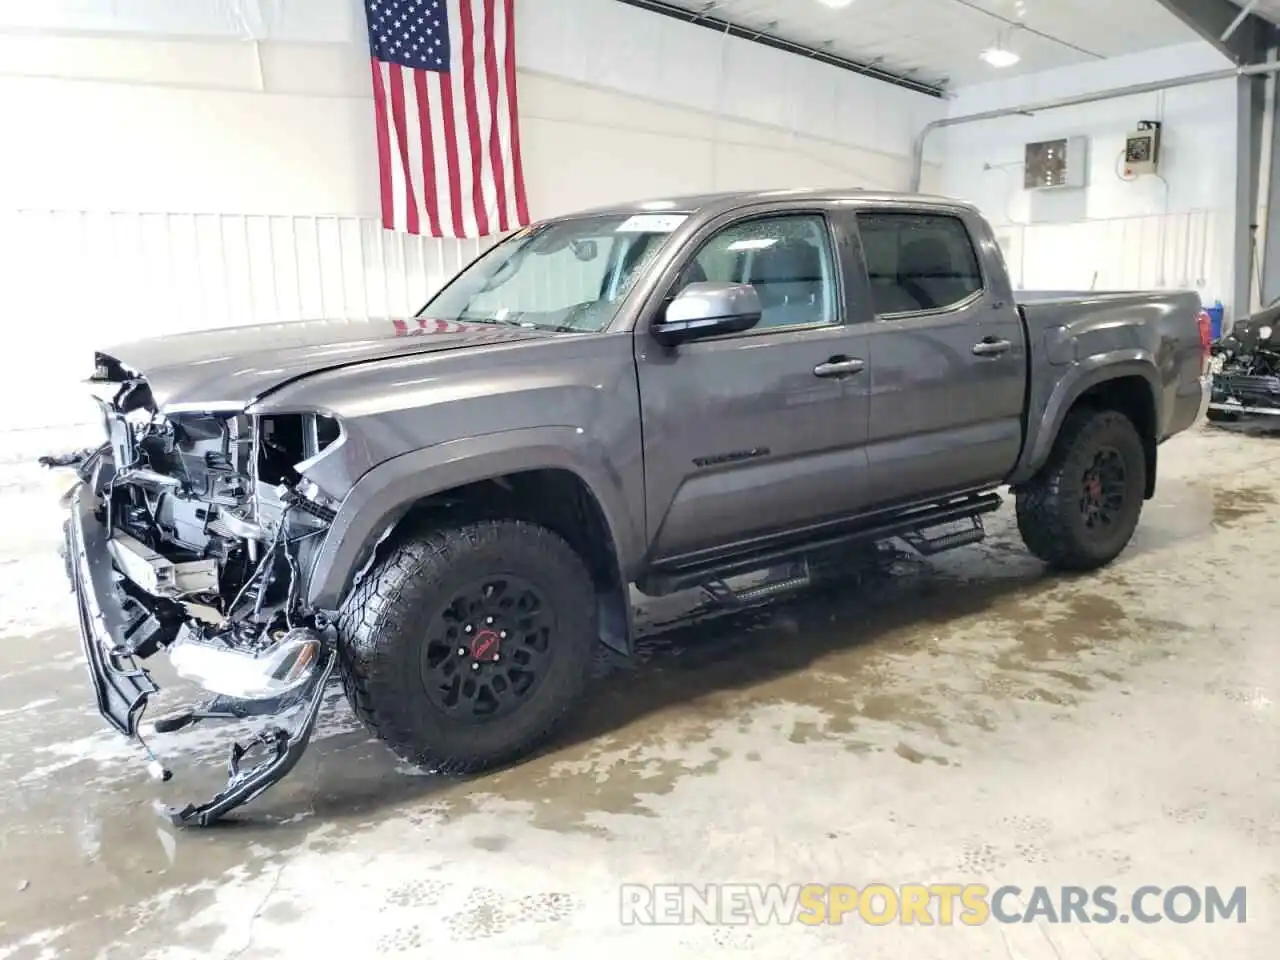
(839, 367)
(991, 347)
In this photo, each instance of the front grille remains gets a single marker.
(1247, 387)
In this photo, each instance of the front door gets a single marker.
(947, 360)
(748, 434)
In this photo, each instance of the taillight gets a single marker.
(1206, 339)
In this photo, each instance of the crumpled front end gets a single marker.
(1245, 366)
(188, 535)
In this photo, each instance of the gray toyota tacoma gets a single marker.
(449, 511)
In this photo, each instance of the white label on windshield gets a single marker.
(652, 223)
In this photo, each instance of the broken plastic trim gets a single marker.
(288, 743)
(108, 631)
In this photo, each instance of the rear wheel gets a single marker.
(470, 646)
(1080, 511)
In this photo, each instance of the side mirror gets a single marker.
(707, 309)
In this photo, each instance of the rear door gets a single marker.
(754, 434)
(947, 358)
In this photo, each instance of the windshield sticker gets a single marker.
(652, 223)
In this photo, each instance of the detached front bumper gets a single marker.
(108, 632)
(116, 631)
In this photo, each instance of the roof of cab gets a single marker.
(727, 200)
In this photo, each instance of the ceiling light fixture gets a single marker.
(999, 57)
(836, 4)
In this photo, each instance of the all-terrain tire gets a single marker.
(1050, 518)
(383, 628)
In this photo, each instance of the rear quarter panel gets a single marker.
(1079, 340)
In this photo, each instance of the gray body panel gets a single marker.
(1078, 343)
(942, 418)
(714, 445)
(229, 368)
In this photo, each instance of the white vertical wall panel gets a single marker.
(1179, 251)
(763, 84)
(627, 49)
(205, 181)
(693, 63)
(161, 272)
(312, 21)
(600, 42)
(78, 280)
(1173, 230)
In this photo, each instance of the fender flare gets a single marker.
(383, 495)
(1083, 376)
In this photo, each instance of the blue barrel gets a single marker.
(1215, 319)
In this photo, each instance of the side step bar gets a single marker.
(913, 526)
(933, 540)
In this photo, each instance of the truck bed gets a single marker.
(1030, 296)
(1072, 331)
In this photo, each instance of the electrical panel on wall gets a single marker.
(1055, 164)
(1142, 149)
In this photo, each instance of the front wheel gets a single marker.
(1080, 511)
(468, 647)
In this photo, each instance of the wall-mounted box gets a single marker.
(1142, 149)
(1056, 164)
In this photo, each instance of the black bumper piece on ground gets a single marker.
(287, 743)
(113, 627)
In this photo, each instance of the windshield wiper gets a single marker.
(496, 321)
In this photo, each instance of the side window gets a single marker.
(786, 258)
(918, 262)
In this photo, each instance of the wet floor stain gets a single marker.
(835, 652)
(840, 658)
(907, 752)
(1233, 504)
(913, 665)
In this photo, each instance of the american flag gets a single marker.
(444, 93)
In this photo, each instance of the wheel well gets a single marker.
(1131, 396)
(560, 501)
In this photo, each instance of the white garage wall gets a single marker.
(1169, 231)
(190, 178)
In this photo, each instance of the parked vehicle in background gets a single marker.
(449, 510)
(1246, 369)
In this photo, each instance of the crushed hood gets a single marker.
(229, 368)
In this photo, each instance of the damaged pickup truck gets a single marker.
(449, 512)
(1246, 369)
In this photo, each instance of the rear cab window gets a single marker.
(919, 262)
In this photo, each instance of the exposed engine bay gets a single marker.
(204, 526)
(1246, 369)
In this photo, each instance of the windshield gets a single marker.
(570, 275)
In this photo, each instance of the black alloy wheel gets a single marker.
(469, 646)
(488, 649)
(1102, 490)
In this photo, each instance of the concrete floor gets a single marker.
(972, 720)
